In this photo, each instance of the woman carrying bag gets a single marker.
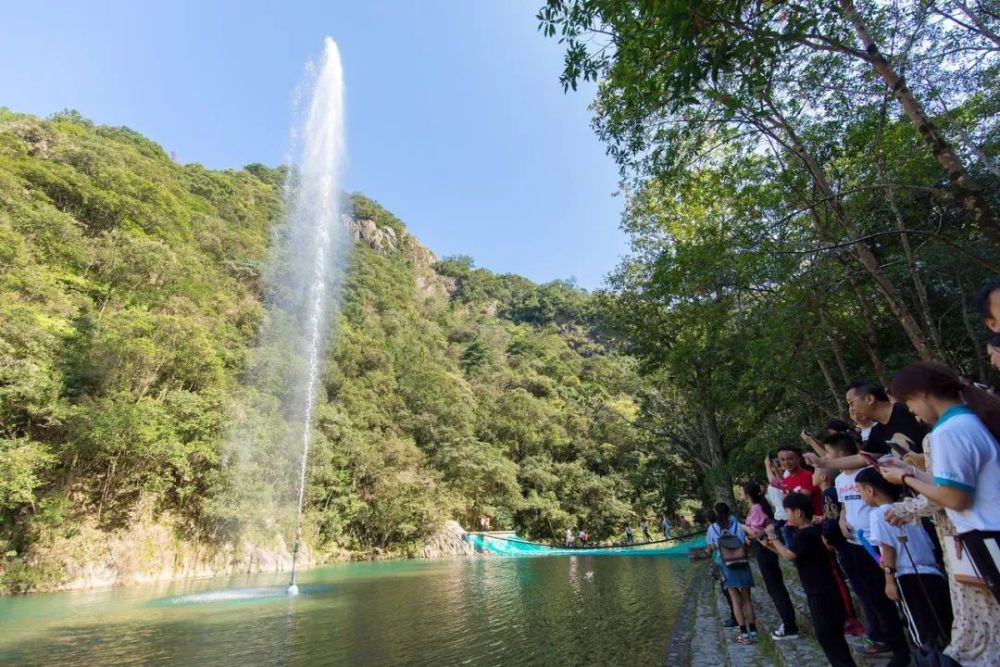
(760, 517)
(727, 544)
(961, 489)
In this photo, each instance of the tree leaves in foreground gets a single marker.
(811, 196)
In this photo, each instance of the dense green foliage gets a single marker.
(812, 194)
(130, 304)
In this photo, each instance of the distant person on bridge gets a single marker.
(665, 524)
(629, 537)
(569, 537)
(645, 531)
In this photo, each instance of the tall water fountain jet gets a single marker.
(308, 249)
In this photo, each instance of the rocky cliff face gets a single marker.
(148, 552)
(447, 542)
(387, 241)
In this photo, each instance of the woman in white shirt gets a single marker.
(962, 488)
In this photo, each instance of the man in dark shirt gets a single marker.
(894, 423)
(809, 554)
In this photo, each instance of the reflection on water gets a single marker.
(574, 610)
(228, 595)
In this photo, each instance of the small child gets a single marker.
(812, 562)
(911, 573)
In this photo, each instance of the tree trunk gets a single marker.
(971, 330)
(977, 22)
(837, 400)
(911, 264)
(864, 253)
(839, 358)
(107, 487)
(723, 490)
(969, 142)
(838, 355)
(967, 190)
(871, 344)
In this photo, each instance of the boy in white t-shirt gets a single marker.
(911, 573)
(885, 631)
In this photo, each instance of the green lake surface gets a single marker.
(574, 610)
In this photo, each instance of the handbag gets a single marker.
(982, 548)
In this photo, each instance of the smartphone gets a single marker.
(869, 459)
(898, 448)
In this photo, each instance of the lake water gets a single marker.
(479, 611)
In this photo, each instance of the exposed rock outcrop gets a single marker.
(381, 239)
(152, 552)
(386, 240)
(447, 542)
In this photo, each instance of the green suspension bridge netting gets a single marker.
(512, 545)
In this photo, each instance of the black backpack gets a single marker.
(732, 550)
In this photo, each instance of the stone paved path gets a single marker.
(799, 600)
(699, 640)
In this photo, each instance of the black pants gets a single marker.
(828, 616)
(928, 604)
(890, 627)
(770, 572)
(845, 555)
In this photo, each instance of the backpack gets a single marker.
(732, 550)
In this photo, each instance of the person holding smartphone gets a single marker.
(894, 423)
(760, 517)
(884, 629)
(963, 480)
(809, 554)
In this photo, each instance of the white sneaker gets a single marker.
(780, 634)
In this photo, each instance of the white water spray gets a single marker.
(312, 232)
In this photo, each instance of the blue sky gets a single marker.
(456, 119)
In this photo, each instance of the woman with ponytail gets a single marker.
(761, 516)
(961, 488)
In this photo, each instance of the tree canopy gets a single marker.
(811, 197)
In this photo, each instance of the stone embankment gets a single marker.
(151, 553)
(700, 640)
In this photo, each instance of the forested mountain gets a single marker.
(130, 302)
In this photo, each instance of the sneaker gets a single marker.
(854, 628)
(781, 634)
(731, 623)
(869, 647)
(745, 638)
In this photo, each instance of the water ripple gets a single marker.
(551, 611)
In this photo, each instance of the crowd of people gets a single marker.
(900, 508)
(582, 539)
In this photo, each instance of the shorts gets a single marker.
(739, 576)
